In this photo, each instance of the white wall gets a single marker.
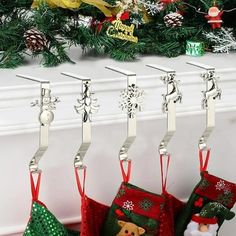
(19, 137)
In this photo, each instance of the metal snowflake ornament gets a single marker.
(84, 21)
(132, 100)
(152, 7)
(87, 104)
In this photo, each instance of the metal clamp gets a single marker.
(87, 105)
(208, 103)
(132, 99)
(47, 104)
(172, 96)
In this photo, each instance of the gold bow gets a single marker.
(75, 4)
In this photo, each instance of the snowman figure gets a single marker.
(214, 17)
(205, 223)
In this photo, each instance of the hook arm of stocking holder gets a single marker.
(87, 105)
(172, 96)
(131, 102)
(208, 103)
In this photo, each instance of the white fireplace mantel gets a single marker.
(19, 134)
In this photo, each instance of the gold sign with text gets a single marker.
(122, 31)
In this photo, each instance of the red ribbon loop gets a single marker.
(164, 177)
(204, 163)
(126, 174)
(81, 187)
(35, 189)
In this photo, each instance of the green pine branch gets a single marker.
(11, 59)
(63, 28)
(52, 24)
(12, 30)
(55, 55)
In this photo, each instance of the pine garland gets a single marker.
(52, 24)
(63, 28)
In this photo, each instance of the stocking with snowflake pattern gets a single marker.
(211, 192)
(136, 211)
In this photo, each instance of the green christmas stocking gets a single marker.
(209, 204)
(42, 222)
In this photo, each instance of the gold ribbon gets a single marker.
(75, 4)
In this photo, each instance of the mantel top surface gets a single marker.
(93, 67)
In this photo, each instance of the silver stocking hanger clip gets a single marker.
(86, 106)
(208, 103)
(47, 104)
(172, 96)
(131, 102)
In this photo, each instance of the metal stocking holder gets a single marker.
(132, 99)
(169, 105)
(208, 103)
(87, 105)
(47, 104)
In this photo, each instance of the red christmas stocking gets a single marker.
(172, 206)
(93, 212)
(208, 206)
(136, 211)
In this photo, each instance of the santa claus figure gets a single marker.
(205, 223)
(201, 227)
(214, 17)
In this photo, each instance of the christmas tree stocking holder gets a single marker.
(93, 213)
